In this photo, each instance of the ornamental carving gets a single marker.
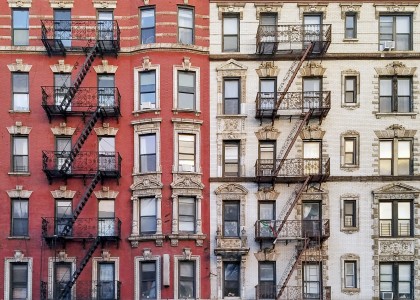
(267, 69)
(396, 68)
(267, 195)
(104, 3)
(399, 188)
(268, 7)
(187, 124)
(312, 132)
(19, 192)
(106, 193)
(105, 68)
(312, 69)
(267, 254)
(395, 131)
(312, 8)
(228, 243)
(396, 247)
(110, 131)
(19, 129)
(186, 181)
(350, 8)
(186, 63)
(63, 130)
(395, 8)
(63, 193)
(147, 182)
(232, 64)
(61, 67)
(231, 125)
(231, 8)
(61, 3)
(268, 132)
(231, 188)
(20, 3)
(19, 66)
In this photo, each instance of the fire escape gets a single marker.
(298, 43)
(94, 38)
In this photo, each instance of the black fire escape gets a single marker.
(299, 43)
(94, 38)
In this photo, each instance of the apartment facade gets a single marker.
(315, 176)
(104, 181)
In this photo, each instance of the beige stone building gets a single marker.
(315, 176)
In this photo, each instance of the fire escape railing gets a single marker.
(95, 289)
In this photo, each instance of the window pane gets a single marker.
(231, 88)
(404, 272)
(349, 21)
(106, 209)
(21, 102)
(231, 152)
(404, 149)
(20, 18)
(186, 79)
(385, 210)
(230, 43)
(404, 210)
(403, 24)
(148, 207)
(349, 145)
(20, 83)
(311, 149)
(385, 150)
(147, 82)
(20, 37)
(266, 211)
(404, 87)
(348, 207)
(148, 144)
(267, 272)
(350, 84)
(185, 18)
(20, 146)
(385, 87)
(230, 25)
(147, 18)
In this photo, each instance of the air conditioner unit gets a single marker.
(389, 45)
(186, 168)
(266, 172)
(146, 105)
(387, 296)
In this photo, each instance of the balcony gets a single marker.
(292, 104)
(286, 39)
(108, 229)
(85, 164)
(60, 36)
(85, 101)
(292, 170)
(83, 290)
(291, 230)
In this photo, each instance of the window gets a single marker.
(62, 82)
(147, 153)
(147, 25)
(349, 213)
(395, 218)
(312, 157)
(312, 92)
(106, 281)
(231, 220)
(186, 153)
(20, 91)
(19, 226)
(395, 31)
(395, 157)
(350, 149)
(18, 281)
(350, 271)
(20, 20)
(351, 28)
(106, 26)
(268, 93)
(20, 159)
(147, 89)
(186, 289)
(62, 148)
(106, 87)
(63, 215)
(62, 26)
(313, 31)
(106, 218)
(148, 212)
(311, 280)
(267, 280)
(231, 279)
(230, 33)
(106, 149)
(396, 280)
(231, 158)
(311, 219)
(231, 96)
(185, 26)
(148, 280)
(350, 89)
(267, 151)
(62, 275)
(266, 217)
(186, 90)
(186, 214)
(395, 94)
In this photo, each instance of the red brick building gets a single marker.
(104, 176)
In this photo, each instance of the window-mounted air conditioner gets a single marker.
(266, 172)
(146, 105)
(387, 296)
(186, 168)
(389, 45)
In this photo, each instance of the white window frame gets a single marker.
(18, 258)
(187, 67)
(187, 127)
(98, 260)
(196, 259)
(51, 262)
(350, 257)
(150, 126)
(137, 274)
(146, 66)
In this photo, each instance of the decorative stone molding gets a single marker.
(312, 132)
(267, 69)
(147, 257)
(344, 75)
(231, 8)
(267, 7)
(396, 68)
(147, 185)
(106, 193)
(104, 4)
(312, 69)
(61, 3)
(356, 137)
(267, 254)
(396, 191)
(355, 198)
(268, 132)
(395, 131)
(20, 3)
(350, 8)
(310, 8)
(188, 183)
(18, 257)
(197, 266)
(350, 257)
(19, 66)
(267, 195)
(231, 189)
(61, 67)
(63, 130)
(220, 275)
(105, 68)
(18, 128)
(106, 130)
(63, 193)
(186, 65)
(19, 192)
(399, 7)
(146, 2)
(397, 247)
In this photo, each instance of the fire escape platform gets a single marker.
(62, 36)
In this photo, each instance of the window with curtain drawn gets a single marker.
(147, 153)
(147, 25)
(20, 154)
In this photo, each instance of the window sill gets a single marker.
(350, 106)
(19, 174)
(231, 116)
(350, 291)
(137, 173)
(396, 114)
(349, 168)
(196, 112)
(197, 237)
(18, 238)
(350, 230)
(144, 111)
(157, 237)
(350, 40)
(19, 111)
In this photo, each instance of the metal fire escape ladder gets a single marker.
(90, 57)
(291, 266)
(80, 268)
(290, 77)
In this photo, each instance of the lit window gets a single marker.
(395, 157)
(231, 96)
(186, 280)
(350, 23)
(185, 26)
(186, 214)
(20, 23)
(20, 157)
(148, 212)
(396, 280)
(231, 220)
(147, 89)
(230, 33)
(19, 226)
(186, 90)
(395, 218)
(147, 153)
(20, 91)
(147, 25)
(395, 32)
(186, 153)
